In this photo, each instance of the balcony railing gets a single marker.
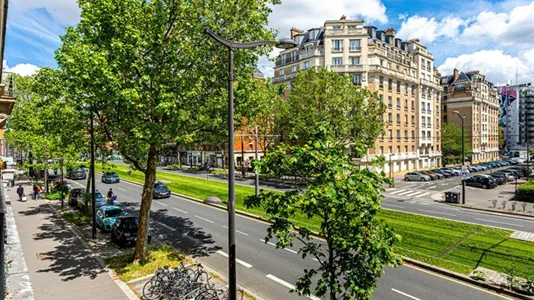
(284, 77)
(315, 52)
(430, 84)
(428, 125)
(423, 110)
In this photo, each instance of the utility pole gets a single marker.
(257, 176)
(463, 153)
(93, 192)
(63, 185)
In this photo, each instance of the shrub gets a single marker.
(525, 192)
(217, 172)
(55, 195)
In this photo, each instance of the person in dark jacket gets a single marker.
(20, 192)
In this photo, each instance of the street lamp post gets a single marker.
(283, 44)
(391, 170)
(93, 196)
(257, 176)
(463, 152)
(63, 185)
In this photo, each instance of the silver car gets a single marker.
(416, 176)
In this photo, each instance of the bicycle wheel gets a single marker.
(152, 290)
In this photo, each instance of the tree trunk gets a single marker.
(332, 279)
(140, 254)
(87, 186)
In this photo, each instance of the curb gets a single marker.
(495, 212)
(406, 260)
(464, 278)
(98, 258)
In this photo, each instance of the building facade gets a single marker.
(517, 116)
(474, 97)
(401, 72)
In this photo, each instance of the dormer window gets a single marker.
(314, 34)
(298, 39)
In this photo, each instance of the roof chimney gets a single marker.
(455, 73)
(343, 17)
(390, 31)
(295, 31)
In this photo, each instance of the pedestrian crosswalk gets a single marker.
(408, 193)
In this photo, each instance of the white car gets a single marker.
(416, 176)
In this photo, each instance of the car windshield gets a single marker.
(110, 174)
(129, 223)
(98, 195)
(113, 213)
(159, 185)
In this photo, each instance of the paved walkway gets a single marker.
(59, 264)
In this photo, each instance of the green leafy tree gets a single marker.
(319, 95)
(148, 70)
(342, 202)
(451, 143)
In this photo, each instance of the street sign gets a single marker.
(465, 169)
(464, 175)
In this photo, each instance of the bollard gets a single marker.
(524, 205)
(494, 202)
(513, 205)
(503, 204)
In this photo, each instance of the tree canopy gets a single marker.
(152, 76)
(451, 143)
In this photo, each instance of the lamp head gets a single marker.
(285, 43)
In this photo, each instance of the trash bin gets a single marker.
(455, 197)
(448, 197)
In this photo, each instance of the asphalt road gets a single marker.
(200, 231)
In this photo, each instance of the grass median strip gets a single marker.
(423, 238)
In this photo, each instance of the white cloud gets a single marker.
(65, 12)
(498, 67)
(21, 69)
(428, 29)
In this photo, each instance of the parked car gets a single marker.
(106, 216)
(100, 200)
(73, 196)
(500, 178)
(430, 174)
(510, 176)
(416, 176)
(62, 185)
(77, 174)
(485, 182)
(438, 174)
(517, 170)
(52, 177)
(124, 231)
(452, 171)
(110, 177)
(161, 191)
(445, 175)
(446, 172)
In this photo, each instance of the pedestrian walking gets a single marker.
(110, 197)
(36, 191)
(20, 192)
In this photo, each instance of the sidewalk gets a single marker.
(59, 264)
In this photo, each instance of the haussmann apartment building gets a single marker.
(474, 97)
(402, 72)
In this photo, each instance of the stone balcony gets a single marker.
(284, 77)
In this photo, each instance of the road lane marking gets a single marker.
(183, 211)
(404, 193)
(432, 187)
(204, 219)
(160, 203)
(422, 195)
(397, 191)
(437, 212)
(244, 264)
(287, 284)
(272, 244)
(497, 222)
(224, 226)
(243, 233)
(413, 194)
(291, 250)
(404, 294)
(122, 189)
(391, 205)
(166, 226)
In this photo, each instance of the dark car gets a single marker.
(77, 174)
(64, 186)
(124, 231)
(485, 182)
(438, 174)
(161, 190)
(110, 177)
(53, 177)
(501, 178)
(73, 196)
(445, 174)
(516, 172)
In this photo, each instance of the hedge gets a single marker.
(525, 192)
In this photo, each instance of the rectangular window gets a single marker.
(405, 120)
(293, 56)
(390, 84)
(307, 48)
(398, 135)
(406, 137)
(398, 119)
(413, 105)
(355, 60)
(337, 45)
(293, 69)
(283, 59)
(398, 103)
(390, 118)
(306, 65)
(413, 120)
(381, 97)
(356, 79)
(354, 45)
(390, 133)
(413, 138)
(381, 82)
(337, 60)
(390, 102)
(281, 72)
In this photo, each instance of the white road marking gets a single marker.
(497, 222)
(224, 226)
(413, 194)
(243, 233)
(244, 264)
(315, 259)
(391, 205)
(397, 191)
(204, 219)
(418, 196)
(286, 284)
(432, 187)
(166, 226)
(291, 250)
(183, 211)
(436, 212)
(272, 244)
(404, 193)
(404, 294)
(122, 189)
(160, 203)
